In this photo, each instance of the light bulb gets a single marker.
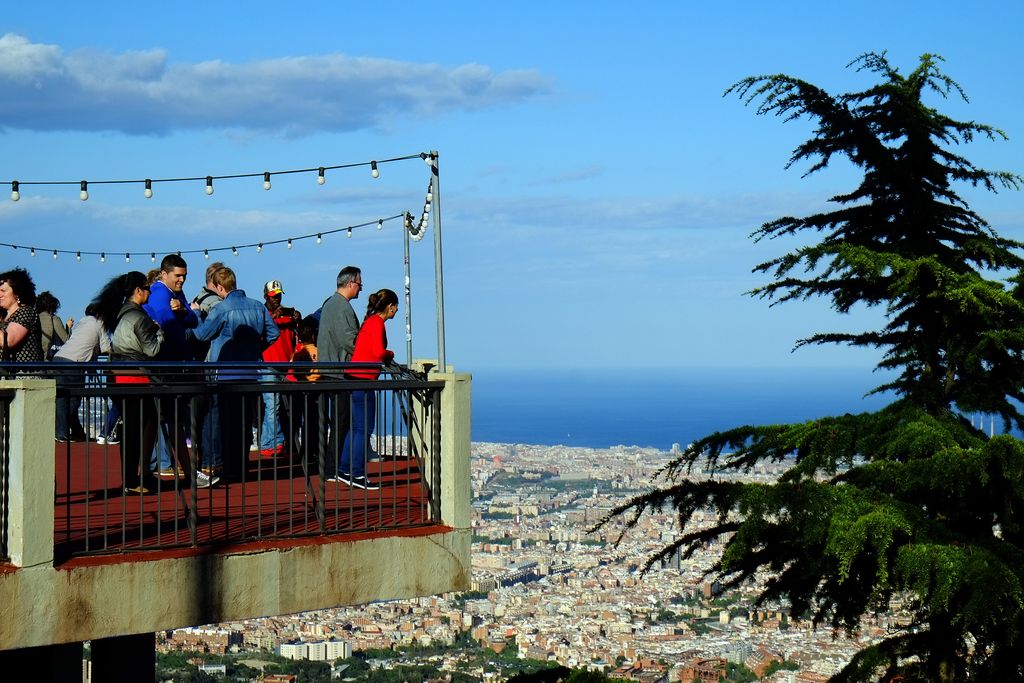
(349, 232)
(148, 192)
(430, 196)
(33, 251)
(319, 239)
(426, 208)
(289, 243)
(152, 256)
(380, 224)
(373, 169)
(259, 247)
(320, 179)
(54, 254)
(15, 194)
(78, 256)
(206, 254)
(127, 257)
(209, 184)
(103, 257)
(428, 159)
(84, 194)
(266, 180)
(234, 252)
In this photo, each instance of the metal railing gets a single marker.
(144, 486)
(5, 468)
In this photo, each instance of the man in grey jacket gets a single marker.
(339, 323)
(335, 342)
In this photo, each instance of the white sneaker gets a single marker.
(205, 481)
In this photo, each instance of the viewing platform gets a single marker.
(85, 558)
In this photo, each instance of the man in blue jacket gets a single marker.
(169, 307)
(238, 329)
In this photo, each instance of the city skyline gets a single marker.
(590, 168)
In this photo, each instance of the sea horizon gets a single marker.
(658, 408)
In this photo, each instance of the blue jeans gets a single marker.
(67, 423)
(356, 445)
(271, 435)
(160, 458)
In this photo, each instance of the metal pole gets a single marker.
(438, 265)
(408, 296)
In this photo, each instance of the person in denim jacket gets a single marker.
(238, 329)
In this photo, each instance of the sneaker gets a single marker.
(169, 472)
(270, 453)
(364, 483)
(356, 482)
(205, 481)
(374, 456)
(109, 439)
(62, 439)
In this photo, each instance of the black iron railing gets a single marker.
(143, 481)
(5, 463)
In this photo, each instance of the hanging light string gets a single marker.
(206, 251)
(416, 230)
(147, 183)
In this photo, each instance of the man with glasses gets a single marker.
(335, 342)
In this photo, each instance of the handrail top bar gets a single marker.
(57, 366)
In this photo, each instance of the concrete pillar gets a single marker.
(124, 659)
(31, 472)
(456, 493)
(45, 664)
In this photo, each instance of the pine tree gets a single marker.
(910, 505)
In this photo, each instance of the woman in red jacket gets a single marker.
(371, 347)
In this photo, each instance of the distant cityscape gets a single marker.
(546, 588)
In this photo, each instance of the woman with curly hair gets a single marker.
(21, 340)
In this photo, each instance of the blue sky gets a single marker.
(597, 191)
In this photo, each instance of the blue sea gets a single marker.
(656, 407)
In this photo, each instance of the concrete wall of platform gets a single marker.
(85, 599)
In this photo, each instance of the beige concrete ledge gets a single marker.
(45, 605)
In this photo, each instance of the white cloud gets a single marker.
(144, 93)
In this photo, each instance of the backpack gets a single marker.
(55, 342)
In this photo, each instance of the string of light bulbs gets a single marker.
(416, 231)
(321, 177)
(235, 249)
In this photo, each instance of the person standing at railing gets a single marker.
(371, 347)
(20, 338)
(137, 338)
(238, 329)
(52, 329)
(305, 407)
(87, 341)
(335, 341)
(169, 307)
(202, 304)
(272, 441)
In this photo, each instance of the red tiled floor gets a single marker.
(276, 501)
